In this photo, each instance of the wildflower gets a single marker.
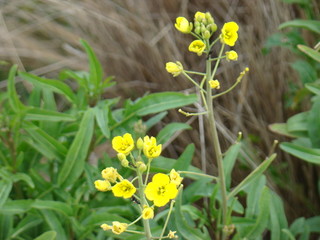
(118, 227)
(161, 190)
(229, 33)
(102, 185)
(197, 46)
(124, 189)
(183, 25)
(232, 56)
(214, 84)
(172, 234)
(105, 227)
(123, 144)
(174, 68)
(175, 177)
(110, 174)
(147, 212)
(150, 147)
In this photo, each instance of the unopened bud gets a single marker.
(121, 157)
(203, 28)
(125, 163)
(197, 30)
(140, 143)
(206, 34)
(214, 27)
(196, 24)
(209, 18)
(141, 166)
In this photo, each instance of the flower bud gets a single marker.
(231, 56)
(196, 24)
(197, 30)
(121, 157)
(125, 163)
(141, 166)
(140, 144)
(206, 34)
(214, 27)
(209, 18)
(214, 84)
(174, 68)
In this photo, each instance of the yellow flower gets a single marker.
(174, 68)
(105, 227)
(199, 16)
(197, 46)
(214, 84)
(175, 177)
(147, 213)
(183, 25)
(110, 174)
(118, 227)
(232, 56)
(124, 189)
(229, 33)
(102, 185)
(161, 190)
(123, 144)
(172, 234)
(150, 147)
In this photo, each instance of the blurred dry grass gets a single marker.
(134, 40)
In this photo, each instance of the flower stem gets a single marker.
(199, 174)
(167, 220)
(142, 203)
(215, 138)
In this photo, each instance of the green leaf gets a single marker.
(307, 72)
(49, 235)
(14, 100)
(310, 52)
(314, 224)
(101, 115)
(288, 234)
(54, 85)
(312, 25)
(184, 161)
(169, 130)
(229, 160)
(22, 177)
(296, 1)
(74, 163)
(6, 225)
(278, 220)
(49, 146)
(263, 217)
(313, 87)
(25, 224)
(158, 102)
(56, 206)
(253, 175)
(281, 128)
(314, 124)
(297, 124)
(155, 119)
(254, 191)
(55, 224)
(308, 154)
(16, 206)
(187, 231)
(5, 189)
(38, 114)
(96, 72)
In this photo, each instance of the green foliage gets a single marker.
(46, 176)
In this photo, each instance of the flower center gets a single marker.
(161, 190)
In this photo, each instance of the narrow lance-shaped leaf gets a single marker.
(74, 163)
(49, 235)
(14, 100)
(38, 114)
(229, 160)
(310, 52)
(312, 25)
(307, 154)
(169, 130)
(5, 189)
(55, 85)
(253, 175)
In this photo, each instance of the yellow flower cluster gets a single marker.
(116, 228)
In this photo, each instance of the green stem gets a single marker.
(215, 138)
(228, 90)
(142, 203)
(193, 72)
(167, 220)
(194, 82)
(199, 174)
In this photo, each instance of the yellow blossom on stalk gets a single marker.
(124, 189)
(110, 174)
(147, 212)
(214, 84)
(229, 33)
(106, 227)
(197, 46)
(175, 177)
(102, 185)
(161, 190)
(232, 56)
(123, 144)
(174, 68)
(150, 147)
(118, 227)
(172, 234)
(183, 25)
(199, 16)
